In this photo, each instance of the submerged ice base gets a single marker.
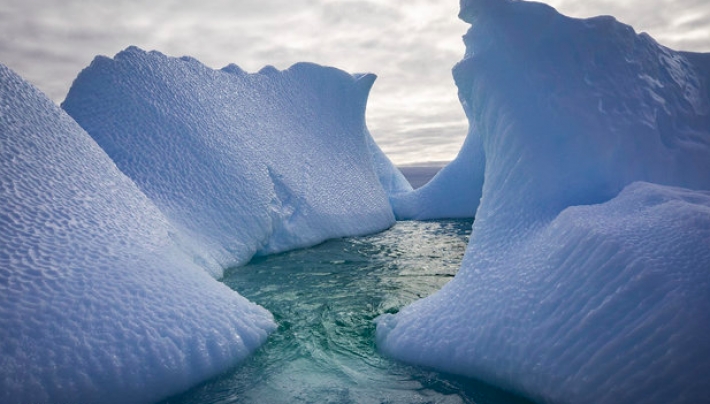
(587, 277)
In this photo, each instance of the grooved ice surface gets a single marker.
(97, 302)
(244, 163)
(587, 277)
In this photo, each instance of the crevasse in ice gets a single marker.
(587, 277)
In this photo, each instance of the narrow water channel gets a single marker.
(325, 299)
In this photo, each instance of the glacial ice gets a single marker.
(99, 301)
(243, 163)
(587, 277)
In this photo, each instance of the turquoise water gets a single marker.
(325, 299)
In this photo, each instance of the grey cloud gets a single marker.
(658, 18)
(701, 20)
(359, 12)
(413, 111)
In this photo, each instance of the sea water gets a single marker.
(325, 299)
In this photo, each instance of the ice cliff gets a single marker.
(587, 277)
(243, 163)
(99, 301)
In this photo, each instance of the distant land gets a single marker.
(419, 174)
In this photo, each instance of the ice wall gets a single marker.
(98, 303)
(453, 193)
(244, 163)
(587, 278)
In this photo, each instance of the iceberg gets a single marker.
(244, 164)
(100, 298)
(587, 276)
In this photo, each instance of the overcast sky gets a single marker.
(411, 45)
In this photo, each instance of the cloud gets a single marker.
(413, 112)
(678, 24)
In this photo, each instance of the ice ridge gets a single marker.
(247, 164)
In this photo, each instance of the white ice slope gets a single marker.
(97, 301)
(243, 163)
(453, 193)
(587, 278)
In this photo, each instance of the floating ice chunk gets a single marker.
(245, 163)
(98, 303)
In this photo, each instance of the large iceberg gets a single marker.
(243, 163)
(587, 277)
(99, 301)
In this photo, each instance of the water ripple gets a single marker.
(325, 299)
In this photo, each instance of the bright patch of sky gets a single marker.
(413, 113)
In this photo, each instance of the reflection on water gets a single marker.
(325, 299)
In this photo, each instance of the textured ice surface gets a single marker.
(97, 302)
(606, 303)
(245, 163)
(587, 277)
